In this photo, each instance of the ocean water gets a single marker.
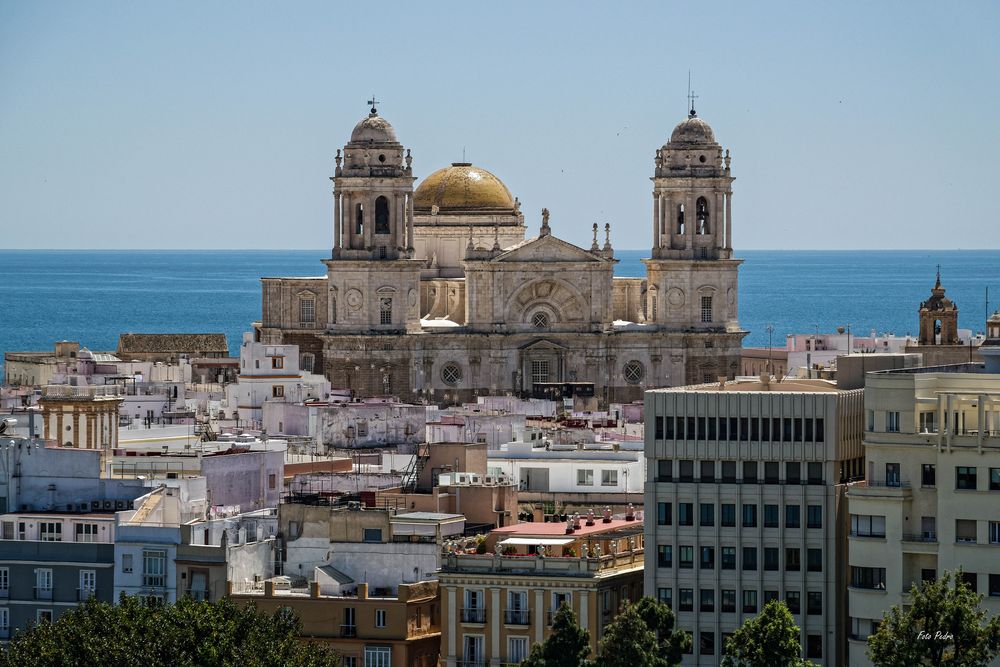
(92, 296)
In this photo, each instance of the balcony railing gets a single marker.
(4, 593)
(517, 617)
(481, 662)
(473, 615)
(84, 593)
(348, 631)
(43, 593)
(920, 537)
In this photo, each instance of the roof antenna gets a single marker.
(463, 153)
(691, 98)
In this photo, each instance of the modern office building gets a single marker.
(931, 498)
(745, 504)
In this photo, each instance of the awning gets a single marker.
(541, 541)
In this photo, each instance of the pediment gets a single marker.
(543, 344)
(547, 249)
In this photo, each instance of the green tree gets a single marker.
(643, 635)
(567, 646)
(770, 639)
(942, 625)
(187, 634)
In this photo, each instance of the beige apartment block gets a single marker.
(367, 631)
(496, 605)
(745, 503)
(931, 498)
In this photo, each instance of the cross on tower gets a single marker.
(691, 97)
(373, 102)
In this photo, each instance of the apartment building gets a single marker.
(397, 628)
(495, 605)
(931, 498)
(50, 562)
(745, 503)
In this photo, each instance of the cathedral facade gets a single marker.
(438, 293)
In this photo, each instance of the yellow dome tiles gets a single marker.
(462, 187)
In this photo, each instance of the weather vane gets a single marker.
(373, 102)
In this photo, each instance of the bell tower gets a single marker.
(692, 277)
(373, 280)
(373, 194)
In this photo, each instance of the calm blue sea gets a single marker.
(92, 296)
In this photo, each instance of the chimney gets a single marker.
(363, 591)
(722, 381)
(765, 381)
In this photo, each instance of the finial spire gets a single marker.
(691, 98)
(373, 102)
(937, 283)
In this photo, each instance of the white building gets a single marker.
(931, 499)
(272, 373)
(575, 472)
(744, 504)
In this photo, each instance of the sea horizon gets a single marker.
(93, 295)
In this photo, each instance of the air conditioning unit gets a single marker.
(119, 504)
(130, 504)
(95, 504)
(108, 504)
(84, 507)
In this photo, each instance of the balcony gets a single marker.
(517, 617)
(473, 615)
(4, 593)
(349, 630)
(198, 594)
(481, 662)
(43, 593)
(892, 489)
(84, 593)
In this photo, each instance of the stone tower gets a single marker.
(938, 318)
(692, 277)
(374, 281)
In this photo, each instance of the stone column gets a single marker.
(540, 619)
(399, 213)
(666, 221)
(409, 221)
(657, 200)
(336, 220)
(452, 625)
(369, 221)
(729, 221)
(347, 222)
(690, 220)
(715, 219)
(495, 613)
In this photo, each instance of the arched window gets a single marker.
(702, 214)
(540, 320)
(381, 215)
(359, 217)
(680, 219)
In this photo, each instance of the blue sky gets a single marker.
(214, 125)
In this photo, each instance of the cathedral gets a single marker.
(438, 292)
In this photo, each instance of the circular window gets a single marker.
(633, 372)
(540, 320)
(381, 158)
(451, 374)
(701, 158)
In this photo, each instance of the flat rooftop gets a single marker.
(558, 529)
(794, 385)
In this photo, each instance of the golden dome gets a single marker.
(462, 187)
